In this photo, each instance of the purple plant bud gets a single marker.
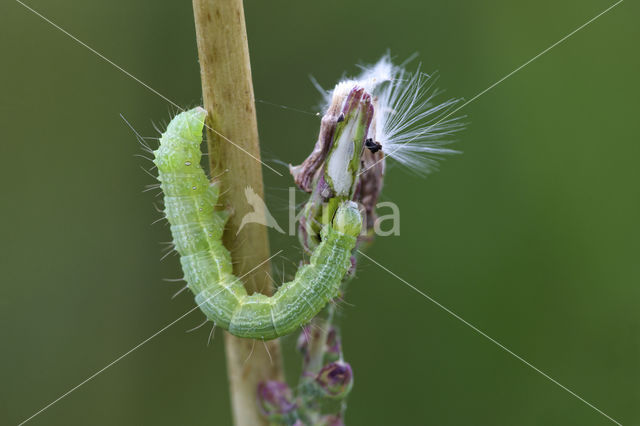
(275, 398)
(335, 379)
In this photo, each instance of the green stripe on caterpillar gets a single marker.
(197, 230)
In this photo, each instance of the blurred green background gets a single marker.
(532, 234)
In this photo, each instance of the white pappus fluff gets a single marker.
(408, 122)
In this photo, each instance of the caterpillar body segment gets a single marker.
(197, 230)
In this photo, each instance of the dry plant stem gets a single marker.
(227, 92)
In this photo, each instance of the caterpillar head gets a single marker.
(347, 219)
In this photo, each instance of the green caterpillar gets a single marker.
(197, 230)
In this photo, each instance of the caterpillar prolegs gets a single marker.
(197, 230)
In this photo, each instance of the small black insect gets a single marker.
(372, 146)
